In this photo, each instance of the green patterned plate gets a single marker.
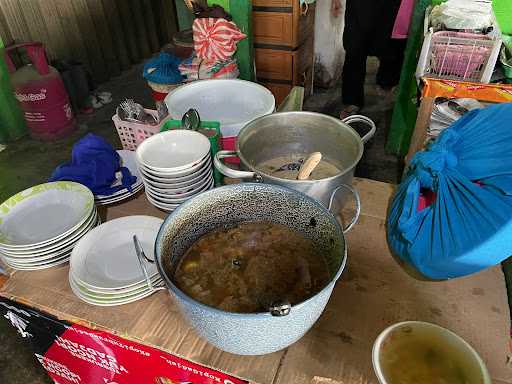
(43, 214)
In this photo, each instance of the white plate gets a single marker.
(106, 258)
(115, 295)
(43, 213)
(54, 252)
(38, 267)
(120, 198)
(182, 197)
(175, 176)
(128, 161)
(112, 291)
(135, 189)
(109, 302)
(173, 151)
(207, 165)
(56, 246)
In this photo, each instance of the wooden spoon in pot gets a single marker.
(309, 165)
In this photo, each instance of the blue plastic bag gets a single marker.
(163, 69)
(94, 163)
(469, 225)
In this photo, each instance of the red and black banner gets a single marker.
(73, 354)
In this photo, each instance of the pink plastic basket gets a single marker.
(132, 134)
(458, 56)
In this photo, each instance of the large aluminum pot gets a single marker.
(251, 333)
(282, 134)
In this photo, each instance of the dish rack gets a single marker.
(458, 55)
(132, 134)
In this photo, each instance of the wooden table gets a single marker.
(374, 292)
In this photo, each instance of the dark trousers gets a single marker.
(368, 27)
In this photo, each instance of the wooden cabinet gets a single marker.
(284, 42)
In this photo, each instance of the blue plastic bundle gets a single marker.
(94, 163)
(163, 69)
(468, 227)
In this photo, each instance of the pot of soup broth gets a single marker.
(251, 266)
(273, 147)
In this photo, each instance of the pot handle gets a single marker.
(358, 204)
(362, 119)
(230, 172)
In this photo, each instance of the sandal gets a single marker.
(349, 110)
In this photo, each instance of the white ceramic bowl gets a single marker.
(171, 190)
(476, 363)
(176, 176)
(172, 151)
(199, 175)
(178, 199)
(162, 206)
(231, 102)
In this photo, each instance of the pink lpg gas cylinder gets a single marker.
(41, 94)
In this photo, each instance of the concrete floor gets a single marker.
(28, 162)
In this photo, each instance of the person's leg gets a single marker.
(354, 73)
(388, 75)
(356, 40)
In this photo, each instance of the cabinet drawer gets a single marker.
(273, 28)
(283, 27)
(274, 64)
(282, 65)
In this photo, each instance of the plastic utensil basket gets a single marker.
(132, 134)
(458, 56)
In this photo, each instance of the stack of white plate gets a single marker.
(104, 267)
(175, 166)
(128, 161)
(40, 226)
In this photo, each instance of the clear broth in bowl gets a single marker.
(247, 268)
(424, 356)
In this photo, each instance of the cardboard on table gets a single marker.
(373, 293)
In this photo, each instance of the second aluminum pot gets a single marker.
(289, 133)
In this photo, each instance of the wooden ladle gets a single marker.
(309, 165)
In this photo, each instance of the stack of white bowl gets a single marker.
(105, 269)
(40, 226)
(175, 166)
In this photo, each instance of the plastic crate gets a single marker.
(458, 56)
(132, 134)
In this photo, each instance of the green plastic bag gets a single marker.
(12, 123)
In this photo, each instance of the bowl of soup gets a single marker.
(423, 353)
(251, 266)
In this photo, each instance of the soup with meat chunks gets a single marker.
(249, 267)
